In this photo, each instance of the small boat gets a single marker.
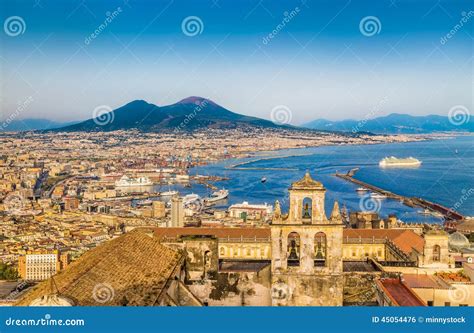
(146, 202)
(263, 180)
(377, 196)
(189, 198)
(424, 212)
(216, 196)
(168, 193)
(361, 189)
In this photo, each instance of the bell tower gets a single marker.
(307, 249)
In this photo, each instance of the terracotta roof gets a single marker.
(132, 269)
(406, 240)
(217, 232)
(399, 293)
(423, 281)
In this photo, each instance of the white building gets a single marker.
(245, 211)
(38, 267)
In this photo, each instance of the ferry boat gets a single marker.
(190, 198)
(361, 189)
(216, 196)
(193, 201)
(393, 161)
(377, 196)
(126, 181)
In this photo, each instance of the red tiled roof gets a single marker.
(217, 232)
(399, 293)
(423, 281)
(406, 240)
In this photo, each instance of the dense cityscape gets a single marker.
(89, 218)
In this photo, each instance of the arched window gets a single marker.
(207, 259)
(307, 208)
(320, 249)
(222, 251)
(436, 253)
(293, 252)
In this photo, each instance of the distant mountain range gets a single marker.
(31, 125)
(189, 114)
(195, 113)
(394, 123)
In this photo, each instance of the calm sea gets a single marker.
(446, 175)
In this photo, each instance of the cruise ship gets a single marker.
(392, 161)
(126, 181)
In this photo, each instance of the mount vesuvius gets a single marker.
(189, 114)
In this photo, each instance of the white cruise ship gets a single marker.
(392, 161)
(126, 181)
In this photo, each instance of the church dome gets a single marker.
(52, 300)
(458, 240)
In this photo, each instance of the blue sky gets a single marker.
(319, 62)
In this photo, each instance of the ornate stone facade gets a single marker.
(307, 267)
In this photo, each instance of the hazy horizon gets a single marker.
(322, 62)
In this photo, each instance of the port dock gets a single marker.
(446, 212)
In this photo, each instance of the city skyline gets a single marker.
(336, 62)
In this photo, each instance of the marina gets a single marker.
(442, 211)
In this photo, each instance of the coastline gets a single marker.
(326, 163)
